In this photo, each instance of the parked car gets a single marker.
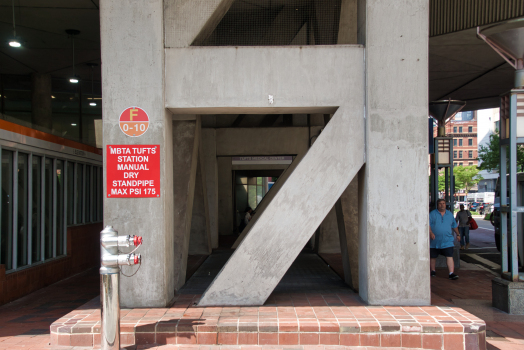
(474, 206)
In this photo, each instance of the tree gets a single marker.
(467, 176)
(442, 183)
(489, 155)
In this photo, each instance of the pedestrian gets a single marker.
(246, 220)
(441, 227)
(462, 218)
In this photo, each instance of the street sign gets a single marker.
(133, 171)
(134, 121)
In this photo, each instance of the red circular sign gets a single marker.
(134, 121)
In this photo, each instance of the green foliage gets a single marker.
(489, 155)
(466, 177)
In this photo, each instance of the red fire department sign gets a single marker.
(133, 171)
(134, 121)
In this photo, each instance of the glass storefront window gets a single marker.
(87, 199)
(48, 213)
(22, 231)
(37, 203)
(59, 213)
(70, 192)
(6, 233)
(36, 209)
(79, 194)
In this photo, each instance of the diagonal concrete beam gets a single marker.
(190, 22)
(298, 208)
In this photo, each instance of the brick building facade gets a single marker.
(463, 129)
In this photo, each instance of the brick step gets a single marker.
(344, 322)
(384, 340)
(260, 347)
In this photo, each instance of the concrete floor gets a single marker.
(308, 273)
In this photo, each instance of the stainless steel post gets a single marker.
(110, 259)
(110, 330)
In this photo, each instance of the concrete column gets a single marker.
(394, 244)
(186, 137)
(200, 237)
(42, 114)
(347, 28)
(211, 174)
(135, 77)
(329, 242)
(347, 219)
(225, 196)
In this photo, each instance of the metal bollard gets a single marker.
(110, 261)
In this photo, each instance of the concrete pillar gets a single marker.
(211, 175)
(225, 196)
(347, 28)
(42, 114)
(200, 237)
(347, 219)
(135, 77)
(328, 241)
(186, 137)
(394, 244)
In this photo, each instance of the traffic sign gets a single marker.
(134, 121)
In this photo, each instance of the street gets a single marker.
(482, 250)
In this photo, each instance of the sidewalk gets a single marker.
(24, 324)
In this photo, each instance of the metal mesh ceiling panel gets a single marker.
(278, 22)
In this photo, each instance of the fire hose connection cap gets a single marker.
(137, 259)
(137, 241)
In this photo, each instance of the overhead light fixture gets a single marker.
(92, 65)
(73, 32)
(73, 124)
(52, 96)
(14, 42)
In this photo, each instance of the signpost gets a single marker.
(133, 171)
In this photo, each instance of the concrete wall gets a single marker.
(135, 77)
(262, 141)
(328, 240)
(394, 244)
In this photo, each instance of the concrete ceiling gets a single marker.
(461, 66)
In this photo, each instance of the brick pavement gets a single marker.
(24, 324)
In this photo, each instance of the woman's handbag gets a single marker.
(472, 224)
